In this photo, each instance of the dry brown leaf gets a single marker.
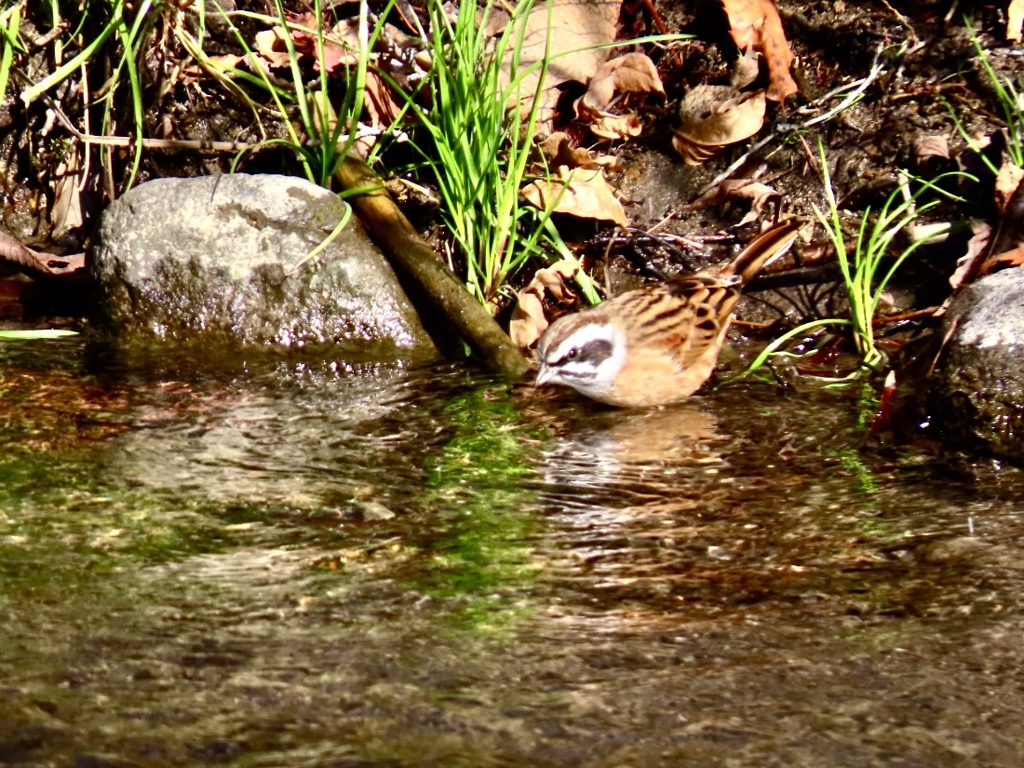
(67, 197)
(270, 45)
(381, 108)
(757, 192)
(339, 45)
(528, 318)
(1007, 181)
(756, 24)
(605, 125)
(1014, 20)
(713, 117)
(886, 405)
(16, 253)
(928, 147)
(967, 265)
(577, 29)
(580, 192)
(631, 73)
(558, 150)
(1012, 258)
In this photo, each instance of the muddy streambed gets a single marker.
(285, 563)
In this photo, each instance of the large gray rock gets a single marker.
(976, 397)
(211, 260)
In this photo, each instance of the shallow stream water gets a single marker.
(286, 563)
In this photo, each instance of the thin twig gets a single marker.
(125, 141)
(812, 161)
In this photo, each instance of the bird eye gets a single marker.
(572, 354)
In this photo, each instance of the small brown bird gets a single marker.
(657, 344)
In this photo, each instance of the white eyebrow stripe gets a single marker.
(584, 335)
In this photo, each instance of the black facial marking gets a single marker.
(595, 351)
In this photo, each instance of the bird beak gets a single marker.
(544, 375)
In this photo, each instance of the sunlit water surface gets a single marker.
(284, 563)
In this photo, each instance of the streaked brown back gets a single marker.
(682, 317)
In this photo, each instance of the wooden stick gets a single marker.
(417, 263)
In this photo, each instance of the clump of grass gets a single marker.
(129, 27)
(325, 132)
(1010, 104)
(869, 267)
(867, 271)
(475, 145)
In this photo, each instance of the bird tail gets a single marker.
(761, 251)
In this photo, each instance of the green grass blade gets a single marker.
(10, 25)
(47, 333)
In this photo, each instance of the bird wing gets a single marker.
(683, 319)
(705, 310)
